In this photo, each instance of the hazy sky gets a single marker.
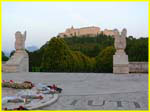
(43, 20)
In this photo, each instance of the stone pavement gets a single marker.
(93, 91)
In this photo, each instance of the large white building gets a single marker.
(91, 31)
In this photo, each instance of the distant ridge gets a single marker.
(32, 48)
(6, 53)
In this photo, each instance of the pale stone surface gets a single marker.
(19, 62)
(120, 59)
(88, 91)
(34, 104)
(20, 40)
(138, 67)
(120, 69)
(108, 32)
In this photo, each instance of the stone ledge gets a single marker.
(120, 65)
(138, 67)
(121, 69)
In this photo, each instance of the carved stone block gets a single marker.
(19, 62)
(120, 64)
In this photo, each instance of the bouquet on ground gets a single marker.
(16, 85)
(48, 89)
(18, 108)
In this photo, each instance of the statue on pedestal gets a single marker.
(120, 59)
(19, 62)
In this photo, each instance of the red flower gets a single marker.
(11, 81)
(54, 87)
(5, 108)
(21, 107)
(4, 81)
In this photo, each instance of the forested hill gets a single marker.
(90, 46)
(84, 54)
(137, 49)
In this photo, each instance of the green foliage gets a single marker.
(4, 58)
(35, 59)
(104, 61)
(83, 54)
(83, 62)
(57, 56)
(90, 46)
(137, 49)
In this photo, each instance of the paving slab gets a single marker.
(92, 91)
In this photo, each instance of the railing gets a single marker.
(138, 67)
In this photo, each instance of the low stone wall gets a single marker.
(134, 67)
(138, 67)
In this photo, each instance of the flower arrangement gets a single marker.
(19, 108)
(15, 85)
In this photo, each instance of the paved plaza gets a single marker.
(92, 91)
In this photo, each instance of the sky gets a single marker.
(44, 20)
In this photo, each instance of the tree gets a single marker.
(89, 45)
(84, 54)
(104, 61)
(137, 49)
(84, 63)
(57, 56)
(4, 58)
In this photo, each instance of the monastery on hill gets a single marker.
(91, 31)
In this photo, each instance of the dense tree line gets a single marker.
(137, 49)
(104, 60)
(90, 46)
(56, 56)
(84, 54)
(4, 57)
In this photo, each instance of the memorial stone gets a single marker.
(19, 62)
(120, 59)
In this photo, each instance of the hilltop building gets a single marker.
(108, 32)
(84, 31)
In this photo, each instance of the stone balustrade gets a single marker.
(138, 67)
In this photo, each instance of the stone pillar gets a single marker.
(19, 62)
(120, 59)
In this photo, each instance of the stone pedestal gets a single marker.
(19, 62)
(120, 64)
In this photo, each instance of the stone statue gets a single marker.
(120, 40)
(120, 59)
(19, 61)
(20, 40)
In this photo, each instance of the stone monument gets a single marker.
(120, 59)
(19, 62)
